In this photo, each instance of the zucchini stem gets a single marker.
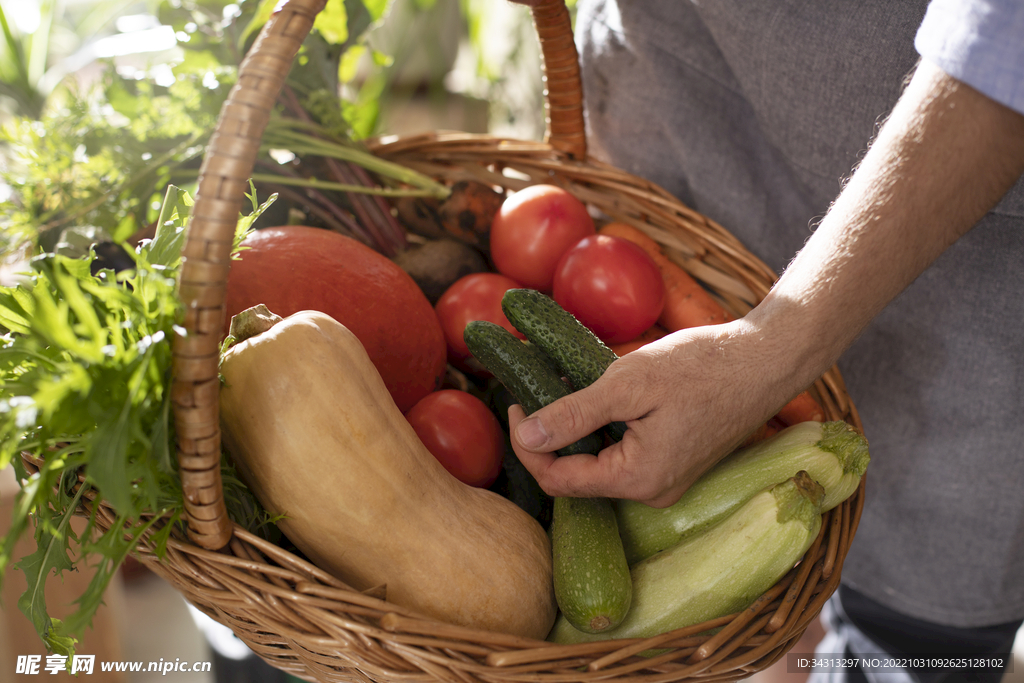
(799, 498)
(849, 446)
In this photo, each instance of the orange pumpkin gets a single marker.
(296, 268)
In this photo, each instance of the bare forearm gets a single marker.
(943, 159)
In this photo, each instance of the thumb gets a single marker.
(563, 422)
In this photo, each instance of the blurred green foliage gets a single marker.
(103, 157)
(38, 40)
(100, 157)
(104, 164)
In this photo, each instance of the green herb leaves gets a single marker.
(84, 376)
(84, 391)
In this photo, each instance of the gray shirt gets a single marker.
(753, 113)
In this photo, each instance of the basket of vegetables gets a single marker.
(393, 568)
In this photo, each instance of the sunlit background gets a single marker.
(98, 98)
(442, 48)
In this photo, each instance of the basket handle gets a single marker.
(563, 92)
(223, 181)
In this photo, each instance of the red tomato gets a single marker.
(532, 230)
(462, 433)
(473, 297)
(611, 285)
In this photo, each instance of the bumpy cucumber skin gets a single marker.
(719, 571)
(593, 587)
(523, 372)
(833, 453)
(577, 351)
(591, 576)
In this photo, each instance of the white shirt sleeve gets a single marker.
(978, 42)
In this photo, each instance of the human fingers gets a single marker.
(582, 475)
(537, 462)
(563, 422)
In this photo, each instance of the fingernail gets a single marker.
(531, 433)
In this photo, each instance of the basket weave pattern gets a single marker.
(306, 622)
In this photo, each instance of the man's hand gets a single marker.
(685, 401)
(945, 157)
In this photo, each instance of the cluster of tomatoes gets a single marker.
(542, 238)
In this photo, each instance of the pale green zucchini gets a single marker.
(720, 571)
(833, 453)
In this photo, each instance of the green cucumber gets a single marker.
(592, 583)
(720, 571)
(577, 351)
(591, 576)
(523, 371)
(833, 453)
(517, 484)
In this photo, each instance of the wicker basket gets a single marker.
(300, 619)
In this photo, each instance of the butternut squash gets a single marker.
(317, 437)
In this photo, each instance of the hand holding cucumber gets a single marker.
(688, 399)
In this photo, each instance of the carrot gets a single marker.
(803, 408)
(652, 333)
(687, 304)
(419, 216)
(468, 211)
